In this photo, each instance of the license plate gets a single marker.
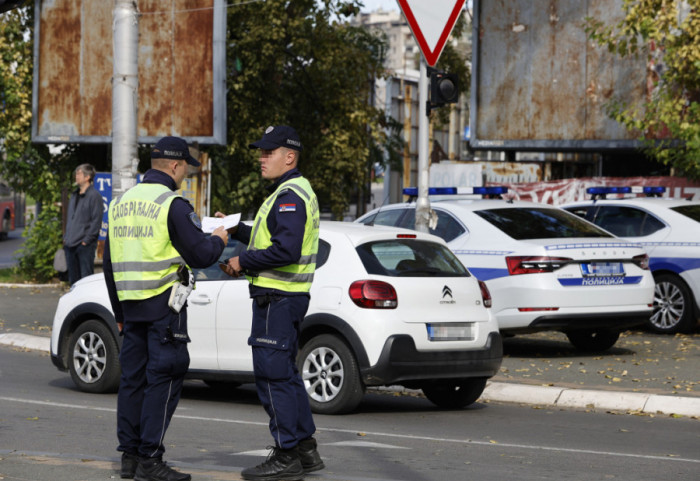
(451, 332)
(602, 269)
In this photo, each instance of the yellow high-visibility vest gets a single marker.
(293, 277)
(144, 260)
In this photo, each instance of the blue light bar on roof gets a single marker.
(626, 190)
(413, 191)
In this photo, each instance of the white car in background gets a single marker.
(547, 269)
(388, 307)
(669, 230)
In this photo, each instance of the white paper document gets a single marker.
(211, 223)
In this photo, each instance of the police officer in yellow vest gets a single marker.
(154, 237)
(279, 265)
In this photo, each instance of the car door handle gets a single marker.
(200, 300)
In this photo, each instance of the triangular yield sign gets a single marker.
(432, 22)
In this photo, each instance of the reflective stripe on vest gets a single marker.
(144, 260)
(295, 277)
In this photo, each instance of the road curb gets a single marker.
(632, 402)
(592, 399)
(26, 341)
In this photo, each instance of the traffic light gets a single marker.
(443, 89)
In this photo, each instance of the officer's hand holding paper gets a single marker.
(228, 222)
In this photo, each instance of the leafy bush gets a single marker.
(43, 239)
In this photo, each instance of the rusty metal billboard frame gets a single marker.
(216, 134)
(504, 111)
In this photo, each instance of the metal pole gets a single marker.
(125, 83)
(422, 203)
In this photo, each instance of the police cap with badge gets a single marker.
(176, 148)
(173, 148)
(278, 136)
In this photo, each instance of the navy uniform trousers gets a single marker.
(274, 341)
(154, 360)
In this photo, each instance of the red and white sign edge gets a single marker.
(431, 22)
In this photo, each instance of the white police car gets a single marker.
(546, 268)
(388, 307)
(669, 230)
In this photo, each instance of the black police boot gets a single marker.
(310, 459)
(155, 469)
(281, 464)
(129, 463)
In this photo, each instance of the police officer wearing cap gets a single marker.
(279, 264)
(154, 237)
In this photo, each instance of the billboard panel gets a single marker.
(539, 83)
(181, 62)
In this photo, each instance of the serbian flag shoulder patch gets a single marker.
(288, 207)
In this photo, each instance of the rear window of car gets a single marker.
(410, 258)
(522, 223)
(626, 221)
(447, 227)
(384, 217)
(692, 211)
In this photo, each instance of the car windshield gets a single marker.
(410, 258)
(692, 211)
(522, 223)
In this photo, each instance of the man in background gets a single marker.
(85, 210)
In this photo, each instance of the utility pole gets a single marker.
(125, 84)
(422, 202)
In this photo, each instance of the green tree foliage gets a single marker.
(29, 168)
(667, 32)
(43, 238)
(299, 63)
(24, 166)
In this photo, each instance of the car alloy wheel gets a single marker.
(672, 306)
(94, 358)
(330, 375)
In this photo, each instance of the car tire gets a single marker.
(330, 375)
(455, 393)
(593, 340)
(673, 306)
(93, 358)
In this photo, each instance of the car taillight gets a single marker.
(373, 294)
(485, 294)
(534, 264)
(642, 261)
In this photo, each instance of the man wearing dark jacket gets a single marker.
(279, 264)
(154, 238)
(85, 209)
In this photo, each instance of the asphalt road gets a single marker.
(50, 431)
(639, 362)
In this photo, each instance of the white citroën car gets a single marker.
(388, 307)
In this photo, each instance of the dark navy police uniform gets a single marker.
(154, 357)
(277, 316)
